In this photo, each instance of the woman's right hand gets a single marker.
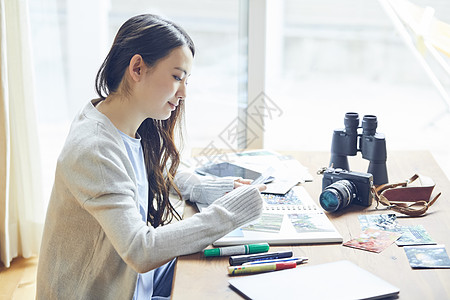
(241, 182)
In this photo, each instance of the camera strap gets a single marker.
(406, 199)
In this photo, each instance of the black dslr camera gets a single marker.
(341, 187)
(371, 144)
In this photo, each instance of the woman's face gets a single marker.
(163, 85)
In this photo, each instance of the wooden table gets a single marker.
(199, 278)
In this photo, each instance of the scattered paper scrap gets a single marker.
(433, 256)
(373, 240)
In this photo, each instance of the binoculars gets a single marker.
(372, 146)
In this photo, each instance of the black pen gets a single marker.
(240, 259)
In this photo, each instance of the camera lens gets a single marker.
(337, 195)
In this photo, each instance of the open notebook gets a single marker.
(293, 218)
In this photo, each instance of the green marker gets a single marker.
(237, 250)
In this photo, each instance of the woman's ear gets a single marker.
(136, 67)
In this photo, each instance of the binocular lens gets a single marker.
(337, 195)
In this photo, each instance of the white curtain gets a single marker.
(22, 208)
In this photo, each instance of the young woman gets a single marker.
(110, 231)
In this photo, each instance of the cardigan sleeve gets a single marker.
(144, 248)
(202, 189)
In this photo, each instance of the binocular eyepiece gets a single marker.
(372, 146)
(369, 123)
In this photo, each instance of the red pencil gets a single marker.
(248, 269)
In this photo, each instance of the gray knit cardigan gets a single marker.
(94, 240)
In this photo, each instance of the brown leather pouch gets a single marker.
(405, 197)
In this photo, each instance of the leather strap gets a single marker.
(411, 201)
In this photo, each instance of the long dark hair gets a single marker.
(153, 38)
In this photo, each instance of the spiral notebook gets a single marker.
(293, 218)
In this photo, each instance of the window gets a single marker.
(312, 61)
(71, 39)
(329, 58)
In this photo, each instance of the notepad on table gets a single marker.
(293, 218)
